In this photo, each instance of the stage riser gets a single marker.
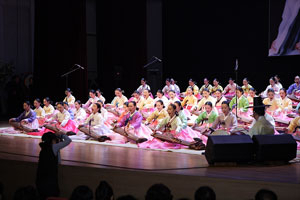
(18, 173)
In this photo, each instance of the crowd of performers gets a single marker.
(172, 119)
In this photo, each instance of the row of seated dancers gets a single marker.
(170, 120)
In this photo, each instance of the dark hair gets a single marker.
(28, 103)
(205, 193)
(147, 90)
(126, 197)
(82, 192)
(246, 79)
(273, 79)
(99, 107)
(270, 90)
(277, 77)
(218, 90)
(206, 90)
(79, 102)
(171, 91)
(66, 103)
(92, 91)
(216, 80)
(208, 103)
(37, 100)
(158, 192)
(227, 103)
(126, 103)
(193, 81)
(259, 110)
(100, 101)
(120, 90)
(168, 80)
(136, 92)
(206, 79)
(160, 91)
(252, 89)
(133, 102)
(172, 80)
(47, 139)
(240, 89)
(265, 194)
(231, 79)
(179, 104)
(143, 79)
(26, 193)
(283, 89)
(68, 90)
(61, 103)
(174, 108)
(104, 191)
(48, 100)
(98, 90)
(161, 102)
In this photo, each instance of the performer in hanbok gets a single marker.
(176, 87)
(205, 98)
(219, 100)
(160, 96)
(156, 117)
(40, 112)
(271, 86)
(229, 90)
(138, 98)
(294, 126)
(246, 86)
(190, 101)
(216, 86)
(172, 97)
(143, 86)
(226, 120)
(48, 108)
(207, 117)
(147, 105)
(251, 95)
(168, 87)
(242, 101)
(277, 79)
(294, 90)
(26, 121)
(271, 101)
(94, 125)
(284, 103)
(93, 99)
(173, 136)
(99, 95)
(79, 114)
(131, 125)
(70, 99)
(195, 89)
(61, 121)
(119, 99)
(66, 106)
(206, 86)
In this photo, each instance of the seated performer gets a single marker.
(216, 86)
(176, 87)
(251, 95)
(66, 106)
(48, 108)
(219, 99)
(26, 121)
(143, 86)
(207, 117)
(226, 120)
(168, 87)
(295, 86)
(61, 121)
(160, 96)
(195, 89)
(277, 79)
(172, 132)
(246, 86)
(80, 114)
(206, 86)
(70, 99)
(159, 114)
(138, 99)
(94, 125)
(133, 127)
(229, 90)
(93, 99)
(242, 101)
(284, 103)
(172, 97)
(271, 86)
(271, 101)
(147, 105)
(99, 95)
(205, 98)
(262, 126)
(294, 126)
(119, 99)
(40, 112)
(190, 101)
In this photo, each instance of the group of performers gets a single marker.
(172, 119)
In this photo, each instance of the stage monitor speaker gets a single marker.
(225, 148)
(274, 147)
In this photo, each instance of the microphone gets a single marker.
(79, 66)
(236, 64)
(156, 58)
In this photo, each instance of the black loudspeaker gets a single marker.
(225, 148)
(274, 147)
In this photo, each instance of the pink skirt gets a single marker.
(70, 126)
(229, 95)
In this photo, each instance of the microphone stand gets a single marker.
(67, 74)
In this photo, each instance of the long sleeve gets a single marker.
(196, 90)
(98, 121)
(165, 89)
(216, 123)
(291, 88)
(162, 123)
(293, 124)
(58, 146)
(183, 119)
(232, 102)
(200, 117)
(114, 101)
(21, 116)
(32, 116)
(244, 104)
(152, 116)
(66, 118)
(234, 123)
(179, 125)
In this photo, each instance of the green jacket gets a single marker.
(212, 117)
(243, 103)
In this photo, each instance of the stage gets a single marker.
(133, 171)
